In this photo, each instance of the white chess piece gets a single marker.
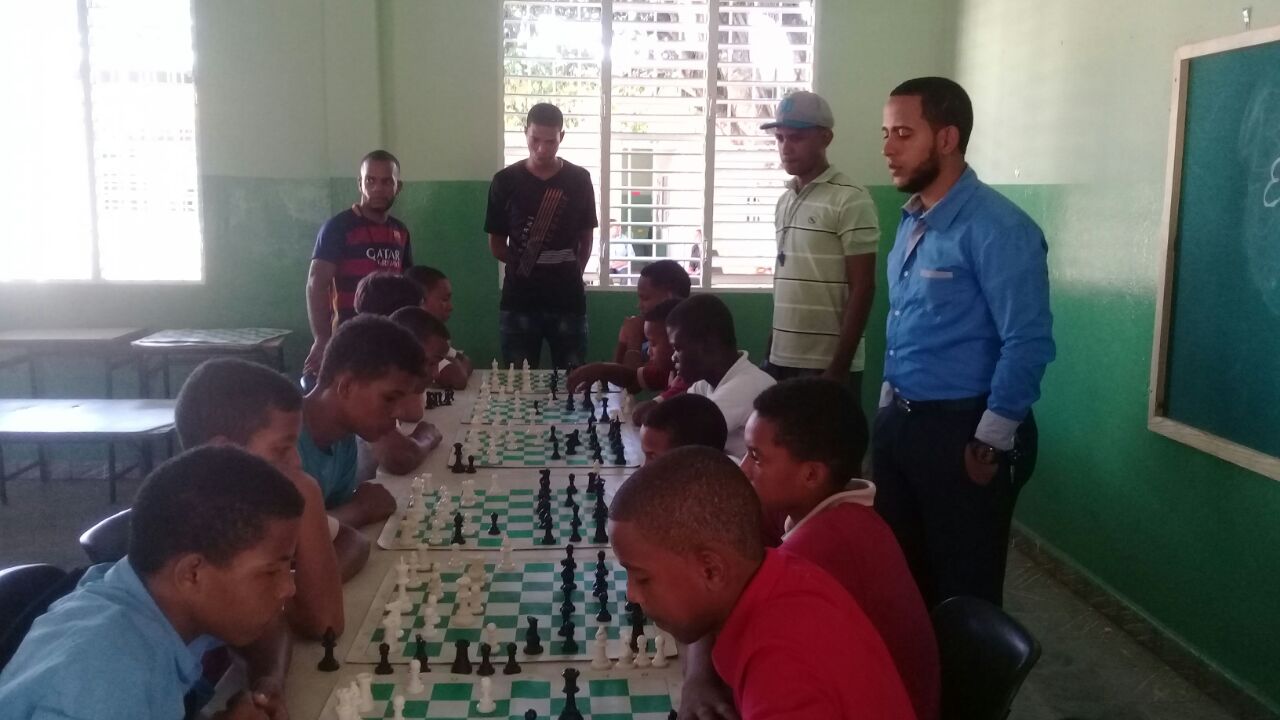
(365, 681)
(493, 484)
(397, 704)
(660, 651)
(346, 708)
(454, 558)
(624, 655)
(486, 704)
(505, 562)
(642, 651)
(415, 677)
(391, 627)
(491, 634)
(600, 649)
(415, 578)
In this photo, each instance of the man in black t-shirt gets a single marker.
(541, 221)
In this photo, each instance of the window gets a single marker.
(663, 101)
(98, 141)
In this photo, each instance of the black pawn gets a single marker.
(570, 644)
(574, 524)
(471, 464)
(530, 715)
(532, 642)
(512, 667)
(555, 449)
(604, 404)
(457, 466)
(601, 536)
(486, 666)
(461, 661)
(604, 615)
(329, 663)
(547, 537)
(672, 715)
(568, 404)
(570, 491)
(457, 538)
(384, 660)
(493, 524)
(420, 654)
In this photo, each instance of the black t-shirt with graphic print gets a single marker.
(543, 220)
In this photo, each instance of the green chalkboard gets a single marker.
(1221, 308)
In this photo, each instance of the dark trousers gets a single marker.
(954, 532)
(780, 373)
(521, 334)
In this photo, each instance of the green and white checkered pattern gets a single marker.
(517, 519)
(531, 447)
(539, 382)
(532, 589)
(602, 695)
(520, 409)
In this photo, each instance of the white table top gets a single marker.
(59, 417)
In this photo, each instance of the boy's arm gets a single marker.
(401, 454)
(318, 602)
(620, 375)
(498, 248)
(704, 695)
(630, 351)
(370, 503)
(352, 549)
(267, 662)
(453, 375)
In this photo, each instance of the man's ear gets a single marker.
(186, 570)
(814, 474)
(712, 568)
(949, 140)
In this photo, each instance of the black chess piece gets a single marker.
(672, 715)
(461, 661)
(544, 517)
(329, 663)
(570, 644)
(493, 524)
(420, 654)
(457, 466)
(471, 464)
(486, 665)
(586, 395)
(604, 615)
(448, 397)
(555, 449)
(537, 407)
(431, 401)
(601, 535)
(512, 667)
(592, 415)
(604, 404)
(637, 620)
(570, 711)
(384, 660)
(574, 525)
(570, 491)
(532, 641)
(457, 538)
(548, 538)
(568, 404)
(569, 560)
(530, 715)
(567, 608)
(598, 456)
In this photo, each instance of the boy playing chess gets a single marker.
(655, 374)
(789, 641)
(229, 401)
(682, 421)
(659, 281)
(371, 377)
(212, 534)
(437, 299)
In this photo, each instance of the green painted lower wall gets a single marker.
(1189, 540)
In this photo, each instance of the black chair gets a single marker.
(985, 656)
(108, 541)
(23, 589)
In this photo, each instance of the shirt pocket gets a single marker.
(941, 287)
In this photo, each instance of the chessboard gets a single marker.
(512, 381)
(515, 607)
(523, 514)
(532, 410)
(613, 694)
(535, 446)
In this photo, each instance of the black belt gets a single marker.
(959, 405)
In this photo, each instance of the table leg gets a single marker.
(4, 493)
(42, 458)
(111, 470)
(164, 367)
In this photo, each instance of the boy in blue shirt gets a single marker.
(372, 376)
(212, 536)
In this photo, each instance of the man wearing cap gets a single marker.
(824, 275)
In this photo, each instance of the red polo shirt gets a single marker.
(797, 646)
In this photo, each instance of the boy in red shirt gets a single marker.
(789, 641)
(655, 374)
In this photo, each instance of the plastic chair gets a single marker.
(985, 656)
(108, 541)
(25, 593)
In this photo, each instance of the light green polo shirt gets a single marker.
(829, 219)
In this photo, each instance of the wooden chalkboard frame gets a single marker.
(1157, 420)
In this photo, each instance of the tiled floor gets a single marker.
(1090, 669)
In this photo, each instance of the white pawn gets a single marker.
(493, 484)
(365, 681)
(397, 704)
(346, 708)
(415, 677)
(600, 649)
(660, 651)
(642, 651)
(415, 579)
(505, 562)
(491, 634)
(486, 704)
(624, 656)
(454, 558)
(391, 627)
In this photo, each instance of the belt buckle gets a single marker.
(902, 403)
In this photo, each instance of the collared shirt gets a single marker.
(334, 467)
(845, 536)
(969, 306)
(105, 651)
(735, 395)
(818, 226)
(358, 246)
(797, 646)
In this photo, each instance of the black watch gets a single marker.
(986, 453)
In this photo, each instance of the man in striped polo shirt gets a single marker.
(824, 276)
(352, 244)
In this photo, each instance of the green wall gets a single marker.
(1072, 103)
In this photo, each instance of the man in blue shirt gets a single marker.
(212, 535)
(969, 335)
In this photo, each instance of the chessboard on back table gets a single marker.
(614, 694)
(525, 512)
(541, 382)
(534, 410)
(528, 593)
(538, 446)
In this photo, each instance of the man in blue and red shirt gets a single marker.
(352, 244)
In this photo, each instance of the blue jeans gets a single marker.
(520, 336)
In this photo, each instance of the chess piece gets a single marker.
(486, 665)
(493, 524)
(600, 649)
(365, 683)
(485, 704)
(461, 661)
(457, 466)
(642, 651)
(512, 667)
(532, 640)
(471, 464)
(384, 660)
(660, 651)
(415, 685)
(570, 711)
(420, 654)
(329, 663)
(604, 615)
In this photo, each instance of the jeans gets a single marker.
(780, 373)
(520, 336)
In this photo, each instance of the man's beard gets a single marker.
(924, 176)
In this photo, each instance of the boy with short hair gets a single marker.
(706, 355)
(437, 299)
(805, 444)
(659, 281)
(654, 375)
(681, 421)
(212, 535)
(789, 641)
(383, 293)
(230, 401)
(371, 377)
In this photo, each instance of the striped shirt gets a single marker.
(358, 246)
(817, 227)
